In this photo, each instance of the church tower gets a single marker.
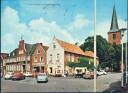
(114, 36)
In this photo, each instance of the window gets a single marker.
(68, 57)
(54, 46)
(72, 58)
(50, 69)
(114, 36)
(50, 57)
(35, 59)
(58, 56)
(41, 59)
(38, 51)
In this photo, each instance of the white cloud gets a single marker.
(37, 30)
(102, 28)
(79, 22)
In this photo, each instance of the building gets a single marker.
(27, 58)
(114, 35)
(90, 55)
(3, 66)
(59, 53)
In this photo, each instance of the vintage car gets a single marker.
(28, 74)
(42, 77)
(18, 76)
(8, 75)
(89, 75)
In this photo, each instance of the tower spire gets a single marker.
(114, 23)
(21, 37)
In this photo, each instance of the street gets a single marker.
(61, 84)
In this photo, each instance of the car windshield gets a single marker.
(42, 74)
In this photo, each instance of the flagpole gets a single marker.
(126, 54)
(122, 67)
(94, 45)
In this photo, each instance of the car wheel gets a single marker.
(37, 81)
(5, 78)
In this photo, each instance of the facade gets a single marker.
(59, 53)
(114, 35)
(2, 63)
(27, 58)
(90, 55)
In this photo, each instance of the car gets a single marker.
(99, 73)
(8, 76)
(103, 72)
(28, 74)
(89, 75)
(18, 76)
(42, 77)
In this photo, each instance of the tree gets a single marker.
(109, 55)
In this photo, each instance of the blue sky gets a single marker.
(68, 20)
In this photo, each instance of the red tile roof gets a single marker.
(89, 54)
(70, 47)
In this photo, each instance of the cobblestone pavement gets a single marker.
(61, 84)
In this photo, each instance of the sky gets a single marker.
(38, 21)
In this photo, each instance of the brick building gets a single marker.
(2, 63)
(27, 58)
(114, 35)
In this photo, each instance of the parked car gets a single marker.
(28, 74)
(103, 72)
(80, 71)
(8, 75)
(42, 77)
(88, 75)
(99, 73)
(18, 76)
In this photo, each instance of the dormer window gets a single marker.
(13, 53)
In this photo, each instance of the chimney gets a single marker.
(21, 45)
(41, 44)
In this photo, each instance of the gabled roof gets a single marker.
(70, 47)
(114, 23)
(89, 54)
(30, 48)
(14, 53)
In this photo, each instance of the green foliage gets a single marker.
(109, 55)
(83, 62)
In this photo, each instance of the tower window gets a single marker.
(114, 36)
(54, 46)
(114, 43)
